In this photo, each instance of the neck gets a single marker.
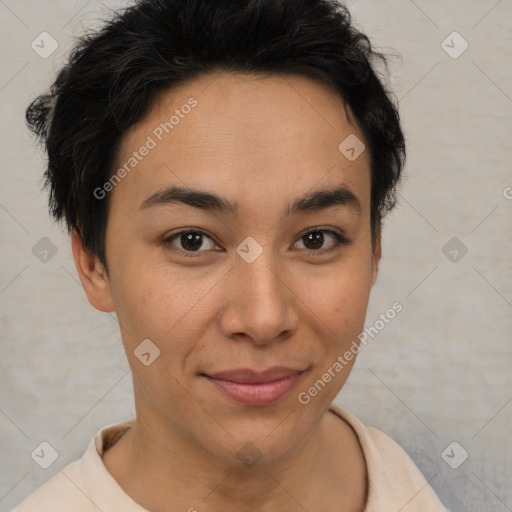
(159, 466)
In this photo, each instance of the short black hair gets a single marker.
(113, 76)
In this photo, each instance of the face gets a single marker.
(255, 270)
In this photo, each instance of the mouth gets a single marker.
(249, 387)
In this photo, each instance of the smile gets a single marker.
(253, 392)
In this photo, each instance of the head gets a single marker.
(224, 170)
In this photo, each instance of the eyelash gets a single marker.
(339, 240)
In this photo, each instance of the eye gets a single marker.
(315, 239)
(189, 242)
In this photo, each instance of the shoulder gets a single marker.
(58, 494)
(84, 485)
(394, 479)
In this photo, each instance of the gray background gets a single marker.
(438, 373)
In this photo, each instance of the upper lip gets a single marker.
(249, 376)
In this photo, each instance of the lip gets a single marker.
(249, 387)
(250, 376)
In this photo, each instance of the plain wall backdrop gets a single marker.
(437, 374)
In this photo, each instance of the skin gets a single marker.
(260, 141)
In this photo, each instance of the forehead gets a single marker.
(241, 133)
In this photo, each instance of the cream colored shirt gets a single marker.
(85, 485)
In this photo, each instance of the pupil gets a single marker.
(192, 241)
(317, 238)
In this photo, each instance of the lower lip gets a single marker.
(256, 394)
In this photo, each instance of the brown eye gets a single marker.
(314, 241)
(189, 241)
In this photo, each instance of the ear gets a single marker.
(92, 275)
(377, 253)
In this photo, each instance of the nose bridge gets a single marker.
(261, 277)
(262, 284)
(260, 298)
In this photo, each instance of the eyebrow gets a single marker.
(208, 201)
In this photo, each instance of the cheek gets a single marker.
(339, 295)
(163, 304)
(341, 308)
(144, 302)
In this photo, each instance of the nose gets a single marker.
(260, 303)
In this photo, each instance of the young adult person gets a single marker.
(223, 169)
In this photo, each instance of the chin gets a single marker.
(256, 440)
